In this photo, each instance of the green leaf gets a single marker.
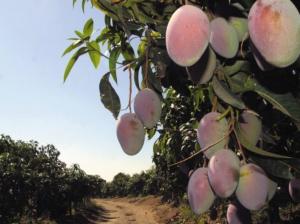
(94, 53)
(151, 132)
(136, 74)
(254, 149)
(142, 47)
(286, 103)
(107, 20)
(107, 8)
(72, 61)
(83, 5)
(109, 97)
(73, 38)
(198, 96)
(72, 46)
(69, 67)
(169, 9)
(104, 35)
(128, 53)
(275, 167)
(113, 58)
(238, 66)
(238, 82)
(225, 94)
(141, 14)
(79, 34)
(88, 27)
(74, 2)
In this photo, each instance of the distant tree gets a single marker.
(137, 183)
(34, 182)
(120, 185)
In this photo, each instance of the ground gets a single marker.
(146, 210)
(150, 210)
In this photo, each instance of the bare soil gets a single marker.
(144, 210)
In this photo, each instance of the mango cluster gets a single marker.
(191, 34)
(225, 174)
(194, 39)
(130, 126)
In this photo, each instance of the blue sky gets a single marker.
(36, 104)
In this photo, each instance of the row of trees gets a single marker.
(144, 183)
(35, 183)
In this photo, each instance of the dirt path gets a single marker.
(147, 210)
(122, 211)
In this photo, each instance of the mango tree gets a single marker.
(218, 82)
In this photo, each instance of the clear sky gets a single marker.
(36, 104)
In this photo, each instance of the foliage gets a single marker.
(237, 84)
(34, 182)
(144, 183)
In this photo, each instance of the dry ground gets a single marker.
(146, 210)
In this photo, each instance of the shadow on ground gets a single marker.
(93, 215)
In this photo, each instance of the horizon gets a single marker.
(37, 105)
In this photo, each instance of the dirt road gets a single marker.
(148, 210)
(121, 211)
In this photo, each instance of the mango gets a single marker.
(210, 130)
(237, 214)
(223, 172)
(147, 106)
(130, 133)
(253, 187)
(200, 194)
(294, 189)
(187, 35)
(274, 28)
(223, 39)
(251, 127)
